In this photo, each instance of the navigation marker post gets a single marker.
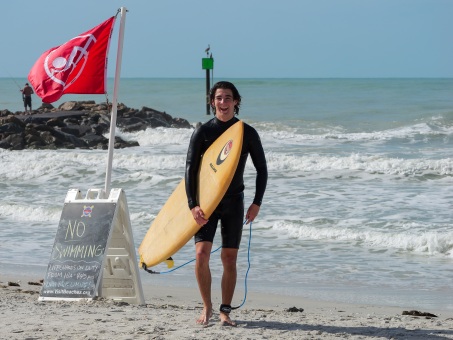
(207, 64)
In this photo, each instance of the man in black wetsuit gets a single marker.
(225, 102)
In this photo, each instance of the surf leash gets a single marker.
(144, 267)
(248, 269)
(171, 260)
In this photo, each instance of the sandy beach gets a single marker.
(170, 313)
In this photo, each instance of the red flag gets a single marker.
(78, 66)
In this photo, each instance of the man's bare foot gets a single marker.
(226, 321)
(205, 316)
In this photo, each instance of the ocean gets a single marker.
(358, 206)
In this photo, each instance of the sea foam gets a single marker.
(421, 241)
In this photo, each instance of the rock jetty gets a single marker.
(77, 124)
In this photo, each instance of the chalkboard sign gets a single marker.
(78, 252)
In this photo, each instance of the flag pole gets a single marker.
(119, 56)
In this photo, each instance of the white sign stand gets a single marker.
(119, 278)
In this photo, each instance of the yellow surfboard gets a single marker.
(174, 226)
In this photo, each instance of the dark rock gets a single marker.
(55, 122)
(71, 121)
(295, 310)
(148, 109)
(70, 106)
(76, 130)
(46, 107)
(133, 113)
(121, 110)
(65, 139)
(158, 121)
(77, 106)
(181, 123)
(32, 283)
(135, 127)
(43, 127)
(129, 121)
(35, 140)
(92, 140)
(5, 113)
(11, 128)
(4, 144)
(121, 144)
(81, 124)
(417, 313)
(100, 129)
(16, 141)
(48, 138)
(17, 121)
(104, 120)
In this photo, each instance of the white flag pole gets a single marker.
(119, 56)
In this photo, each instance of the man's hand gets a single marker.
(198, 216)
(252, 212)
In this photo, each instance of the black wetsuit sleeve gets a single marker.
(192, 165)
(259, 161)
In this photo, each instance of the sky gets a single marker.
(248, 38)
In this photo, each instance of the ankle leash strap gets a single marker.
(225, 309)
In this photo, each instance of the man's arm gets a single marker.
(193, 161)
(259, 161)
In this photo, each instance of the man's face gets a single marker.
(224, 104)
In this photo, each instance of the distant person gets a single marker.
(27, 91)
(225, 101)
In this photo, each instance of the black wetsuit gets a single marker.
(230, 211)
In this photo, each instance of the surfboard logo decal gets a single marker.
(225, 152)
